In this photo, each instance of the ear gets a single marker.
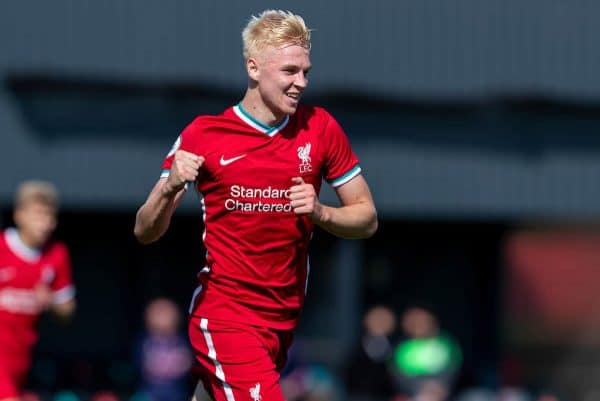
(17, 216)
(252, 68)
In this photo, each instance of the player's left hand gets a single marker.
(304, 199)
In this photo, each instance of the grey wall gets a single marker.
(420, 48)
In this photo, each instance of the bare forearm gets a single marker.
(355, 218)
(154, 216)
(151, 223)
(352, 221)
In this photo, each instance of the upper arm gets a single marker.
(357, 217)
(354, 191)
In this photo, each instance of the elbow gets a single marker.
(372, 224)
(368, 229)
(371, 227)
(143, 236)
(144, 231)
(139, 235)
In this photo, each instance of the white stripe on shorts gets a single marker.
(212, 354)
(193, 301)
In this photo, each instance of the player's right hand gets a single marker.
(185, 168)
(43, 296)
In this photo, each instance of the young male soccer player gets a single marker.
(35, 275)
(259, 167)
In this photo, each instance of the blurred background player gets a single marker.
(35, 275)
(366, 370)
(426, 360)
(163, 356)
(307, 379)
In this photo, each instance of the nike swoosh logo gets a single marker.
(225, 162)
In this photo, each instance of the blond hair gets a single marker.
(274, 28)
(36, 191)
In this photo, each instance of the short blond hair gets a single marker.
(36, 191)
(274, 28)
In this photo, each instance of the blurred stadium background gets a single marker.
(476, 123)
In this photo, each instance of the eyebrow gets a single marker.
(294, 66)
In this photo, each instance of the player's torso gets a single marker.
(249, 172)
(20, 273)
(257, 246)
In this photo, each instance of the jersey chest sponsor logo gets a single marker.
(224, 162)
(258, 199)
(305, 165)
(20, 300)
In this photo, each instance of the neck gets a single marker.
(20, 247)
(254, 105)
(28, 240)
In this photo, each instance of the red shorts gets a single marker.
(12, 378)
(239, 362)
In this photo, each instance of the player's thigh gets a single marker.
(235, 362)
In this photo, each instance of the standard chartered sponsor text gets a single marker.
(240, 191)
(253, 199)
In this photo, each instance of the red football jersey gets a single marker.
(257, 247)
(21, 270)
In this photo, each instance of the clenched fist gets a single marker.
(185, 168)
(304, 199)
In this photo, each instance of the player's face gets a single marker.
(36, 222)
(282, 78)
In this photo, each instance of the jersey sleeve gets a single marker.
(182, 142)
(341, 164)
(62, 286)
